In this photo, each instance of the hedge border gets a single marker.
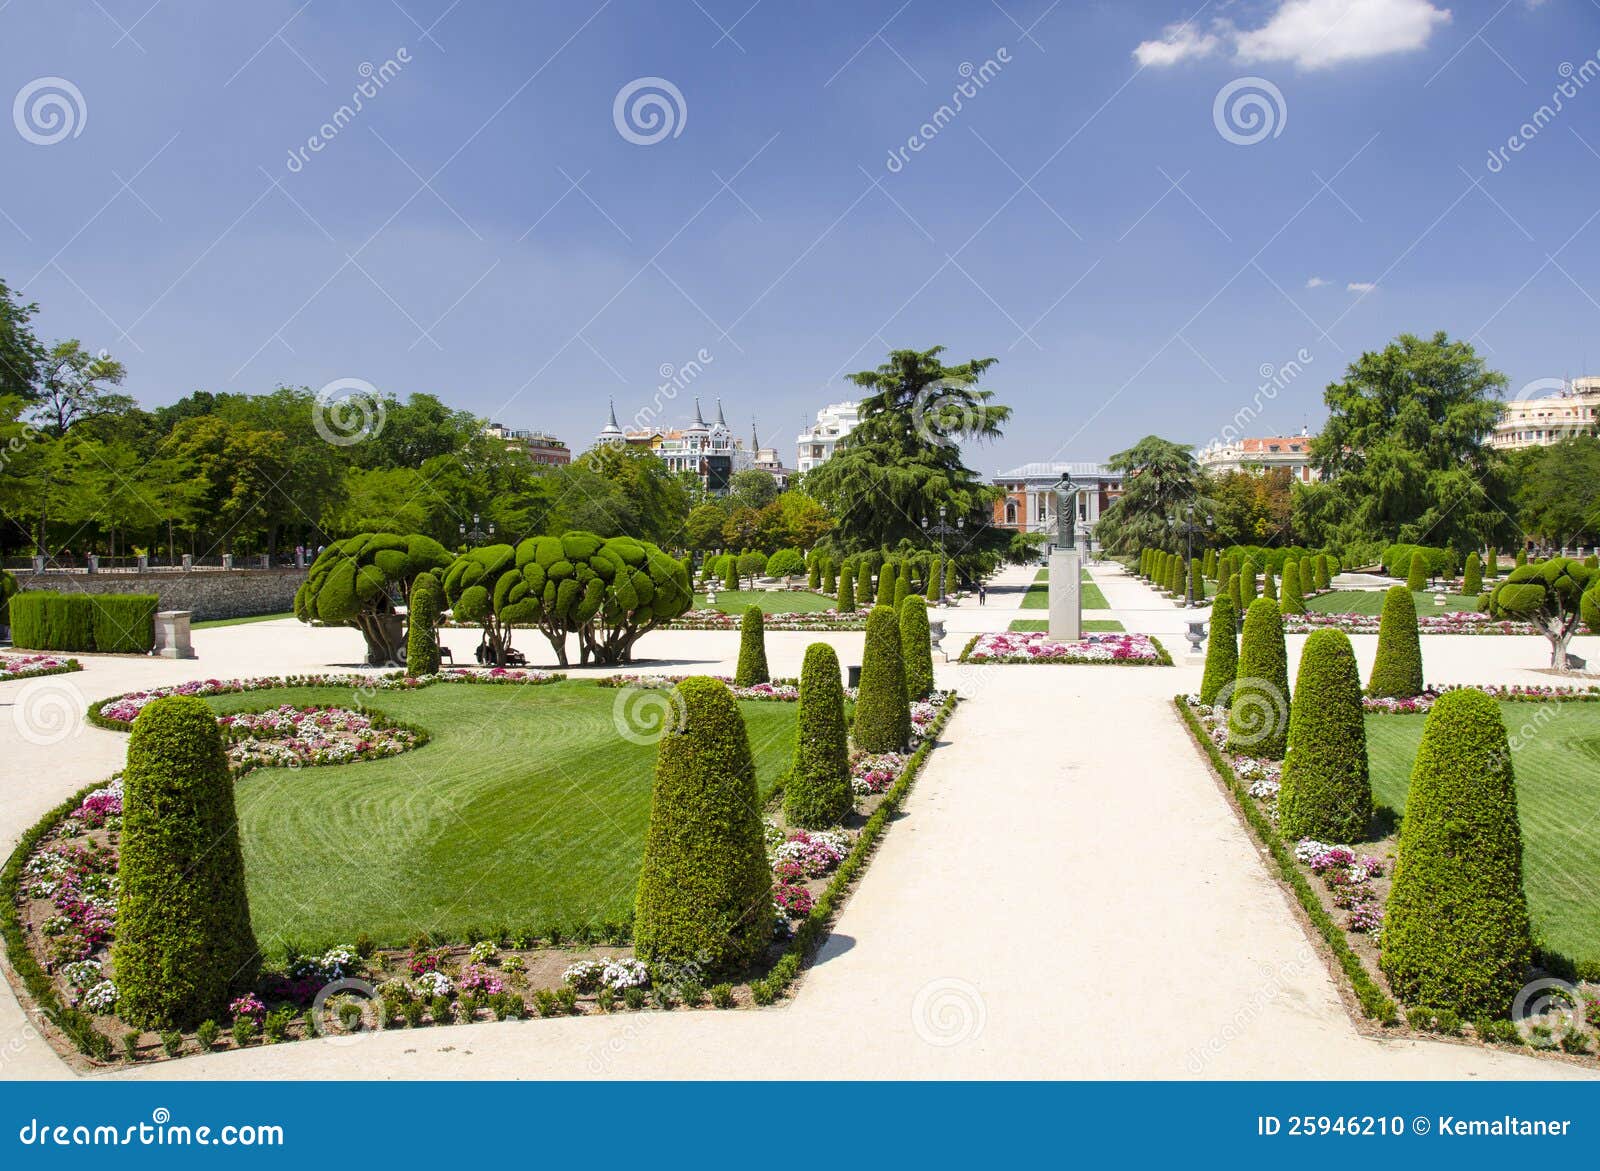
(1375, 1003)
(1163, 658)
(66, 668)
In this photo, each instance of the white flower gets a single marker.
(432, 984)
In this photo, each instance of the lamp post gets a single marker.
(1189, 529)
(476, 535)
(944, 528)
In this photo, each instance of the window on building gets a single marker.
(1011, 512)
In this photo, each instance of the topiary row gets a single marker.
(108, 623)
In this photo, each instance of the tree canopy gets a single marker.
(1160, 477)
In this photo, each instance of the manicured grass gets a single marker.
(526, 810)
(1044, 575)
(1371, 602)
(1090, 626)
(770, 601)
(214, 622)
(1556, 755)
(1038, 596)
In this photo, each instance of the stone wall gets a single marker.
(206, 593)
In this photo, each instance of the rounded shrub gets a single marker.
(705, 892)
(1222, 649)
(847, 589)
(1397, 667)
(916, 646)
(1589, 609)
(787, 563)
(883, 714)
(1293, 600)
(184, 945)
(1456, 931)
(1258, 707)
(752, 650)
(1417, 575)
(817, 794)
(1326, 792)
(422, 618)
(1472, 576)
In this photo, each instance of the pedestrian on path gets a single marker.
(983, 594)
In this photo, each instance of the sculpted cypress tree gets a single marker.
(1197, 583)
(888, 578)
(883, 714)
(1293, 601)
(817, 794)
(1417, 577)
(1472, 576)
(1222, 648)
(1322, 579)
(1247, 583)
(1326, 794)
(1456, 932)
(184, 944)
(1494, 565)
(814, 572)
(730, 572)
(1258, 708)
(952, 582)
(829, 579)
(1397, 667)
(1235, 594)
(847, 589)
(752, 667)
(1269, 587)
(902, 585)
(705, 892)
(422, 618)
(916, 646)
(935, 582)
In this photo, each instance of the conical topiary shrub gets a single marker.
(1417, 576)
(1494, 565)
(888, 578)
(952, 580)
(1247, 583)
(1197, 583)
(184, 944)
(847, 589)
(814, 571)
(883, 715)
(1293, 600)
(916, 646)
(1522, 556)
(1456, 932)
(902, 585)
(422, 618)
(830, 579)
(1472, 576)
(817, 794)
(935, 581)
(730, 572)
(1234, 594)
(705, 892)
(1269, 587)
(752, 650)
(1222, 649)
(1258, 706)
(1397, 667)
(1326, 793)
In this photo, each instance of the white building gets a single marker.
(1539, 422)
(816, 443)
(707, 450)
(1258, 455)
(1029, 501)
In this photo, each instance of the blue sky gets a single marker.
(482, 230)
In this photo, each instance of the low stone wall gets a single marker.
(207, 593)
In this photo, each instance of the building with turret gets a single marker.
(707, 450)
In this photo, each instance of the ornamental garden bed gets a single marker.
(1371, 601)
(1446, 622)
(477, 864)
(32, 666)
(1342, 888)
(1134, 650)
(813, 620)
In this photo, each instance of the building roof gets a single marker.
(1276, 443)
(1052, 471)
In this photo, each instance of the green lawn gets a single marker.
(1038, 595)
(1556, 754)
(211, 622)
(770, 601)
(1044, 575)
(525, 810)
(1371, 602)
(1090, 626)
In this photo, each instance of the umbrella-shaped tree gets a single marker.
(360, 581)
(1548, 594)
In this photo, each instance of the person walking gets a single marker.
(983, 594)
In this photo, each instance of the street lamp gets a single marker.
(1189, 529)
(476, 535)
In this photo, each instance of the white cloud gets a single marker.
(1360, 286)
(1313, 34)
(1178, 42)
(1315, 282)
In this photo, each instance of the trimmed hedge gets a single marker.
(1222, 649)
(883, 714)
(1456, 931)
(422, 619)
(705, 890)
(1258, 707)
(1437, 561)
(1397, 667)
(1326, 792)
(752, 667)
(817, 794)
(916, 646)
(184, 944)
(108, 623)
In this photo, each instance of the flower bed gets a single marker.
(819, 620)
(1126, 649)
(1451, 622)
(32, 666)
(1417, 704)
(780, 690)
(294, 737)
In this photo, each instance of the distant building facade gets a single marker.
(706, 450)
(539, 446)
(815, 444)
(1258, 455)
(1029, 501)
(1574, 409)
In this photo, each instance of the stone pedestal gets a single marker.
(1066, 595)
(172, 634)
